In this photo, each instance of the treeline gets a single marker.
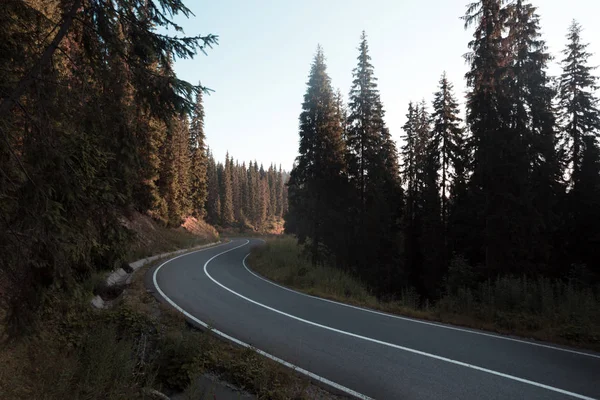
(512, 190)
(94, 125)
(245, 197)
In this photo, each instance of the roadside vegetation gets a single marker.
(565, 312)
(126, 352)
(491, 222)
(150, 237)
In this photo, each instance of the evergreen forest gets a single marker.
(510, 186)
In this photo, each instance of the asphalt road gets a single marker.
(364, 353)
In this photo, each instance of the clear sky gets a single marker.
(260, 67)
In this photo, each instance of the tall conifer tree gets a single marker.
(447, 139)
(579, 105)
(318, 182)
(227, 215)
(198, 155)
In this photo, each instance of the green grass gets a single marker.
(543, 309)
(281, 260)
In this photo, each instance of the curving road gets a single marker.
(363, 353)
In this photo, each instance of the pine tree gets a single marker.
(447, 139)
(430, 224)
(279, 193)
(174, 172)
(365, 126)
(342, 111)
(263, 198)
(422, 143)
(272, 192)
(236, 192)
(284, 194)
(580, 120)
(317, 181)
(583, 239)
(373, 171)
(246, 193)
(198, 156)
(495, 144)
(423, 229)
(213, 201)
(183, 168)
(533, 119)
(579, 105)
(253, 194)
(409, 155)
(227, 216)
(87, 92)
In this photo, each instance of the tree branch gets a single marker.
(29, 78)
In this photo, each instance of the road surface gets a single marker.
(363, 353)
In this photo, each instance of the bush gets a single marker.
(567, 311)
(283, 260)
(460, 275)
(180, 359)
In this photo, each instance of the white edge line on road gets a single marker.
(581, 353)
(395, 346)
(243, 344)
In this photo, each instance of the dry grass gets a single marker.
(82, 353)
(116, 354)
(272, 227)
(542, 309)
(153, 238)
(188, 353)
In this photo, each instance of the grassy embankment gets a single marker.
(152, 238)
(137, 345)
(541, 309)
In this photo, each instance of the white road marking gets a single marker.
(243, 344)
(392, 345)
(474, 332)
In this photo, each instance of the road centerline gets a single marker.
(392, 345)
(417, 321)
(296, 368)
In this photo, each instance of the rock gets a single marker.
(98, 303)
(155, 394)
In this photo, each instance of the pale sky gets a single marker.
(260, 68)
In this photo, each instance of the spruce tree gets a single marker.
(579, 105)
(430, 224)
(263, 198)
(227, 215)
(272, 191)
(317, 184)
(198, 156)
(373, 172)
(246, 193)
(534, 121)
(580, 120)
(213, 201)
(183, 167)
(447, 139)
(279, 193)
(236, 192)
(496, 178)
(583, 239)
(87, 92)
(409, 154)
(253, 194)
(365, 126)
(174, 172)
